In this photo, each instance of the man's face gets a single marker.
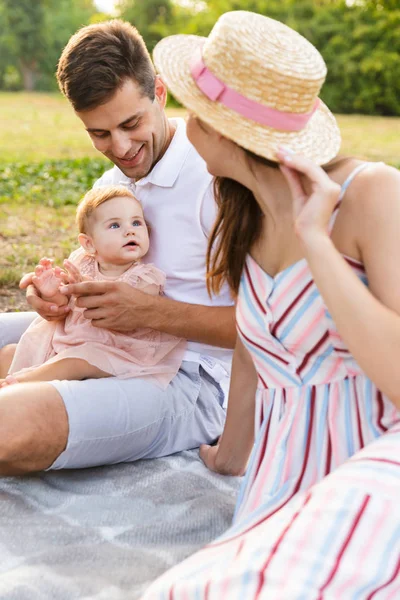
(130, 129)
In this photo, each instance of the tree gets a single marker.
(25, 21)
(62, 19)
(32, 36)
(151, 18)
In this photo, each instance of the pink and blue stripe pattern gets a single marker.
(318, 516)
(340, 539)
(315, 407)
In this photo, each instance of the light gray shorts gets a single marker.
(121, 420)
(13, 325)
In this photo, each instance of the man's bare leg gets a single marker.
(66, 368)
(6, 356)
(33, 427)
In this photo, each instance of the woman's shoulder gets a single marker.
(369, 180)
(371, 204)
(366, 187)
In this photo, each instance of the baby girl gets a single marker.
(114, 238)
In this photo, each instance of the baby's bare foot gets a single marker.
(46, 279)
(9, 380)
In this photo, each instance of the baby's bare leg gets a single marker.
(66, 368)
(6, 357)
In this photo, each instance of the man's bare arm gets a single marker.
(205, 324)
(118, 306)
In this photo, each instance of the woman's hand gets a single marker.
(314, 194)
(209, 456)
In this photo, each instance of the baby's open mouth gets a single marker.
(131, 243)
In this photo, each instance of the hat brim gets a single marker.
(319, 140)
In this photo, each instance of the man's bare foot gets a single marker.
(47, 281)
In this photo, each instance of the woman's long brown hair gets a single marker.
(237, 227)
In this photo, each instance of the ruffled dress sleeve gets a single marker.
(84, 262)
(146, 277)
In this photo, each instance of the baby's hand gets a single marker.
(73, 275)
(47, 279)
(56, 307)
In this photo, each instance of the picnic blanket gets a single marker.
(106, 533)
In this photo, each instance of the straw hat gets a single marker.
(254, 80)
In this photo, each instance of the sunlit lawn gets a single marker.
(41, 126)
(38, 128)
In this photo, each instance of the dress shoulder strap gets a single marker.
(344, 187)
(350, 178)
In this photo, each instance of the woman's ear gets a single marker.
(86, 243)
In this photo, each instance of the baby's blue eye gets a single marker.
(114, 225)
(137, 223)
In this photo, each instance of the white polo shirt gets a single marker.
(179, 205)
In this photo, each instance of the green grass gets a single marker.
(50, 183)
(48, 163)
(373, 138)
(35, 127)
(30, 231)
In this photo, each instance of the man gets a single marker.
(106, 73)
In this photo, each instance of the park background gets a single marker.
(46, 159)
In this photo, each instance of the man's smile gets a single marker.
(131, 161)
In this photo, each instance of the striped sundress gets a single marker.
(314, 407)
(299, 534)
(338, 540)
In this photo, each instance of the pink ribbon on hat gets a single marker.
(217, 90)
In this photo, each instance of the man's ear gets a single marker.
(160, 91)
(86, 243)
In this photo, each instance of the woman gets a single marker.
(311, 254)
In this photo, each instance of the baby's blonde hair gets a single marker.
(93, 198)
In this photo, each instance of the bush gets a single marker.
(50, 183)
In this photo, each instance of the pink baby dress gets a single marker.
(144, 353)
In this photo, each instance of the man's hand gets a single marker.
(117, 305)
(113, 304)
(47, 310)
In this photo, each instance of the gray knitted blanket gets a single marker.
(106, 533)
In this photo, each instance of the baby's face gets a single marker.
(118, 231)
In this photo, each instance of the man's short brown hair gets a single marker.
(98, 59)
